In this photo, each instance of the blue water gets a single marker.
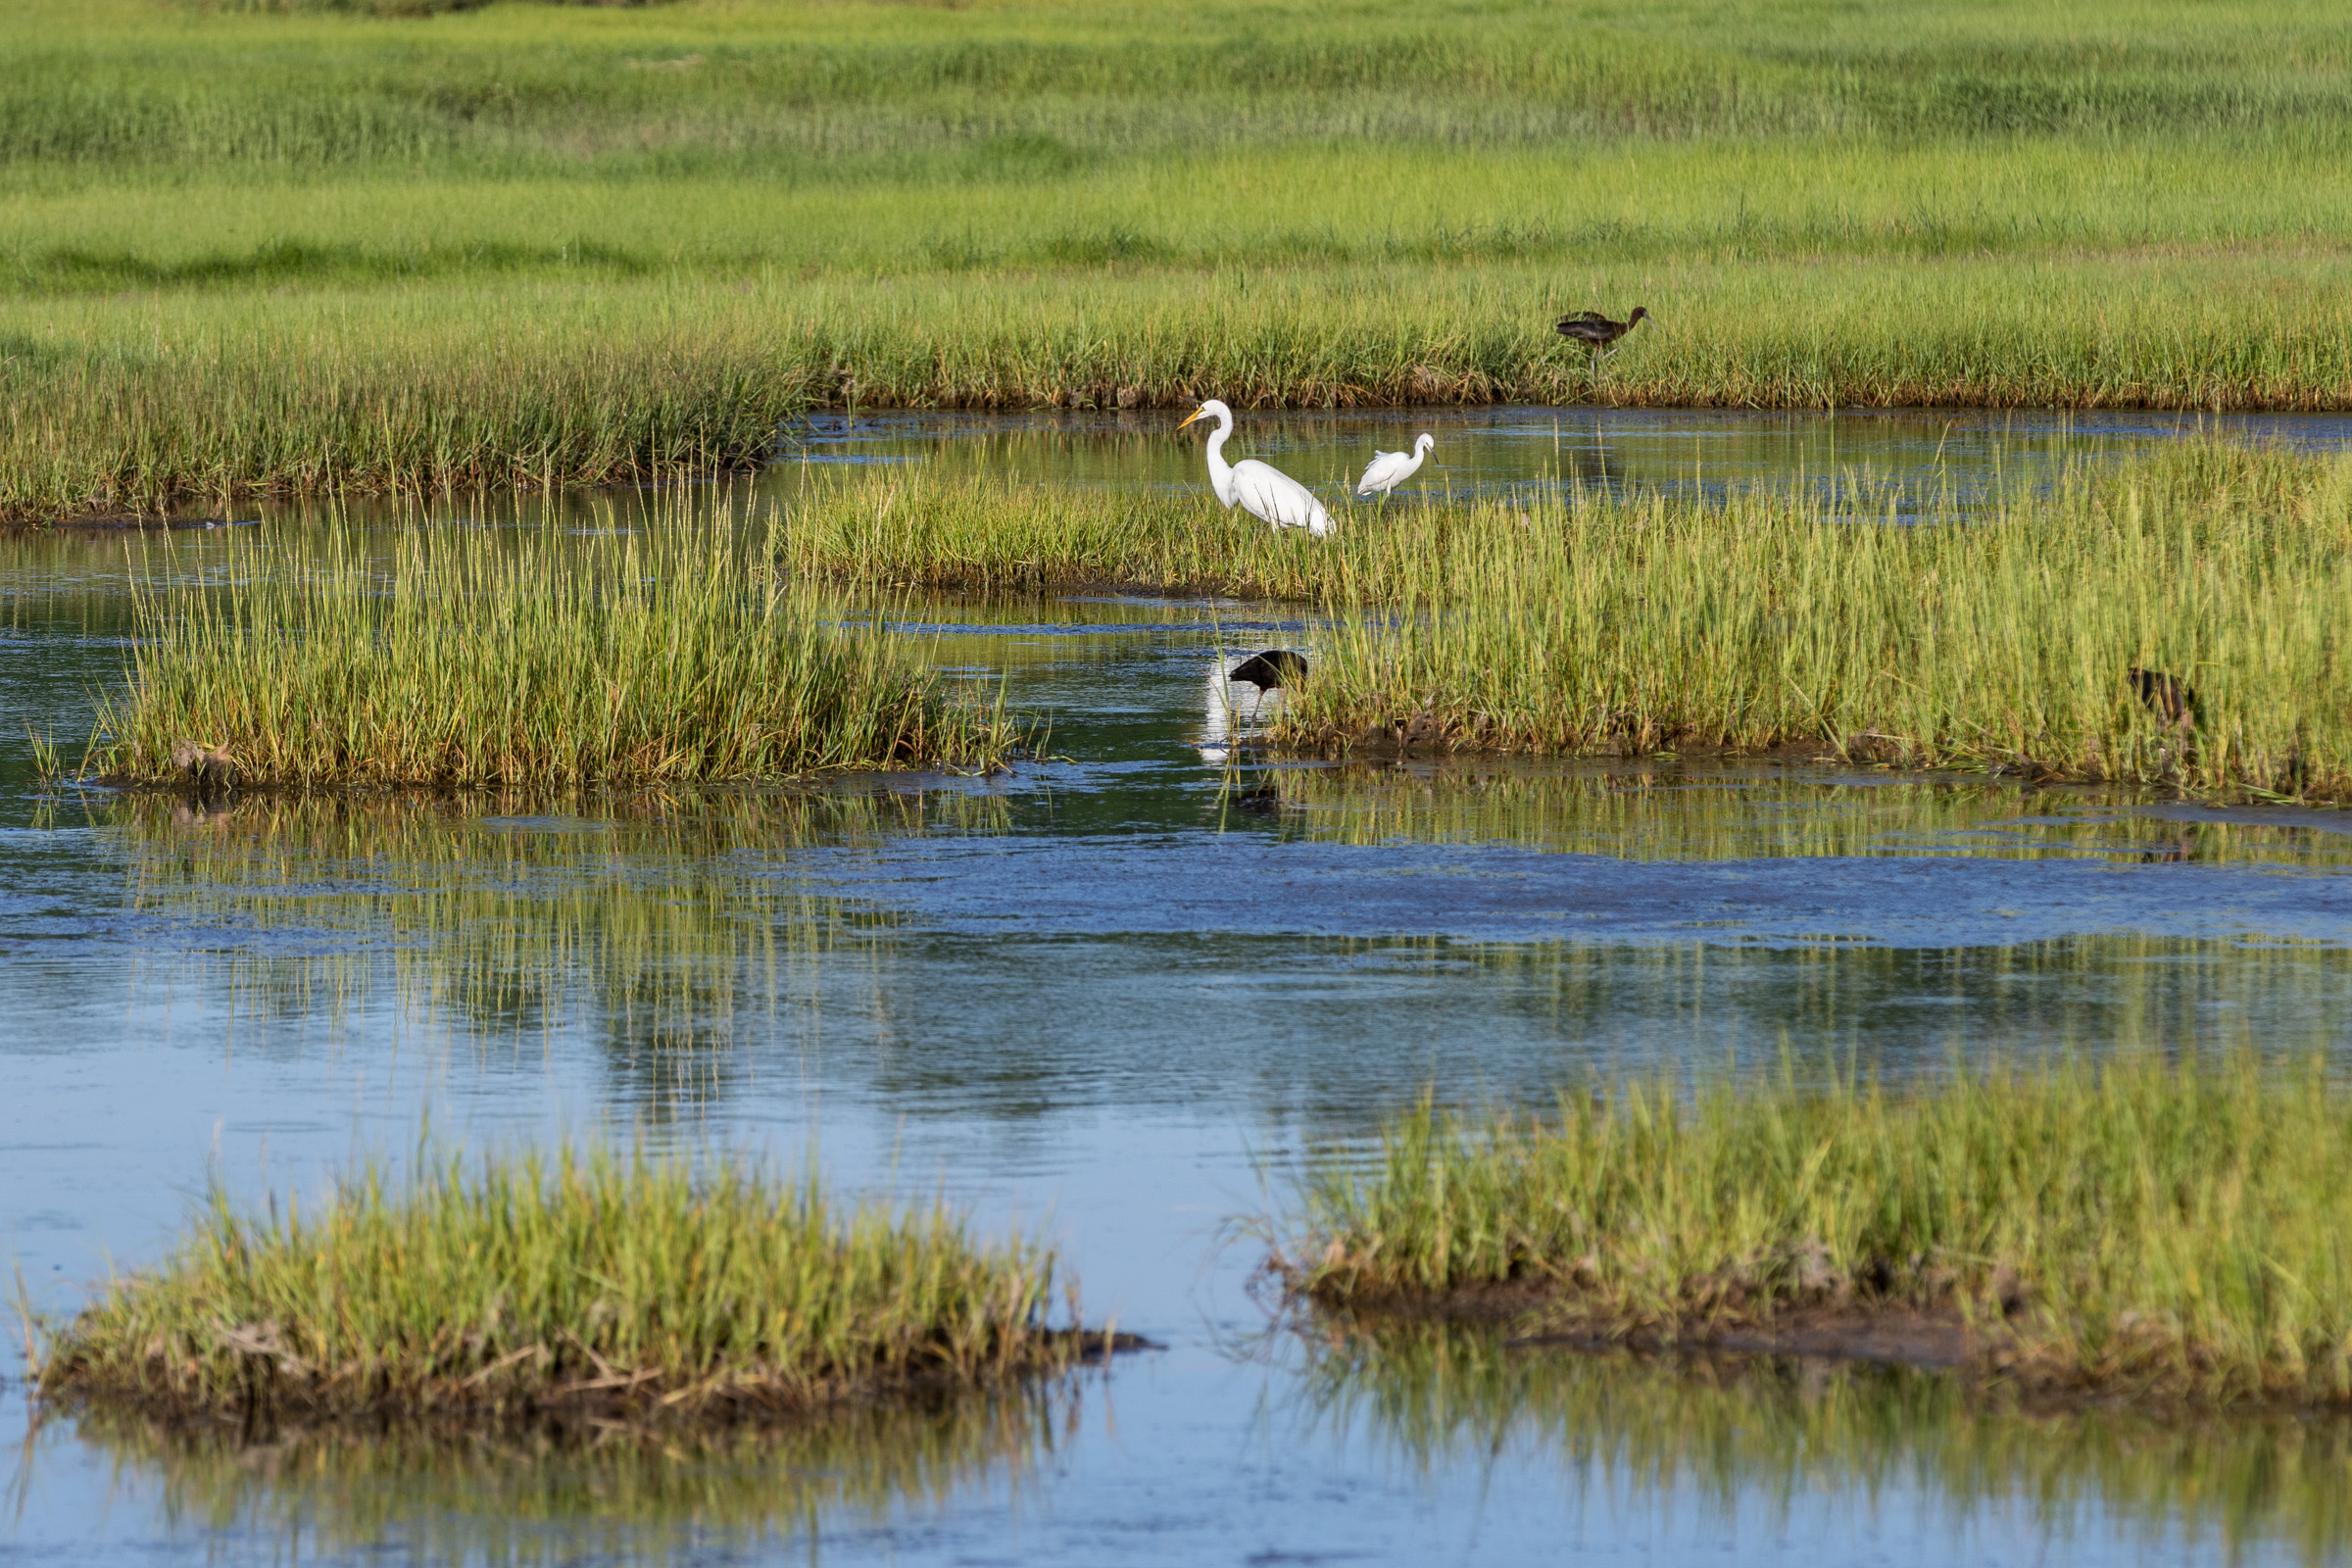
(1123, 995)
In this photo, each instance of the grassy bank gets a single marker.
(528, 241)
(1593, 623)
(2143, 1224)
(468, 659)
(588, 1285)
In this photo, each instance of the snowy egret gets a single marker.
(1259, 489)
(1595, 331)
(1389, 469)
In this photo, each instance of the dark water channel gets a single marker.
(1119, 994)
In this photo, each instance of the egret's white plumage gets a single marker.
(1389, 469)
(1257, 488)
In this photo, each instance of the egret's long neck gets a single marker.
(1220, 472)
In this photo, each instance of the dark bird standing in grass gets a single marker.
(1597, 332)
(1268, 671)
(2167, 696)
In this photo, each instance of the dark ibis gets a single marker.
(1268, 671)
(2168, 697)
(1597, 332)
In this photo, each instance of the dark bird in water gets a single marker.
(2168, 697)
(1269, 671)
(1595, 331)
(1272, 669)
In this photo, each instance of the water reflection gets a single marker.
(1918, 459)
(600, 1493)
(1646, 808)
(1764, 1445)
(651, 927)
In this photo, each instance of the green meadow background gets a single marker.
(251, 249)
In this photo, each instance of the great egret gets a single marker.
(1596, 331)
(1389, 469)
(1259, 489)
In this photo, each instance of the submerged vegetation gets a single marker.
(1596, 622)
(529, 243)
(587, 1286)
(466, 659)
(2177, 1227)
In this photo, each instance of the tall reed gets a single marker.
(577, 1281)
(2176, 1225)
(469, 659)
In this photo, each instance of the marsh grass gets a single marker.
(531, 242)
(182, 396)
(587, 1284)
(1772, 620)
(1586, 621)
(469, 659)
(923, 528)
(2174, 1226)
(210, 405)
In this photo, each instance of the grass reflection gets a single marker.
(1742, 1434)
(1667, 811)
(599, 1495)
(658, 926)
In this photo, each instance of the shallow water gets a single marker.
(1123, 992)
(1916, 460)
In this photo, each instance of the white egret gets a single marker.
(1257, 488)
(1389, 469)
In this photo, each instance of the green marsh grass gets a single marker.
(2152, 1224)
(1772, 620)
(1591, 622)
(667, 656)
(600, 1284)
(253, 252)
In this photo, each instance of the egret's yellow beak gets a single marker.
(1196, 414)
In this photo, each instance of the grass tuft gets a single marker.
(590, 1284)
(2141, 1224)
(1771, 620)
(466, 660)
